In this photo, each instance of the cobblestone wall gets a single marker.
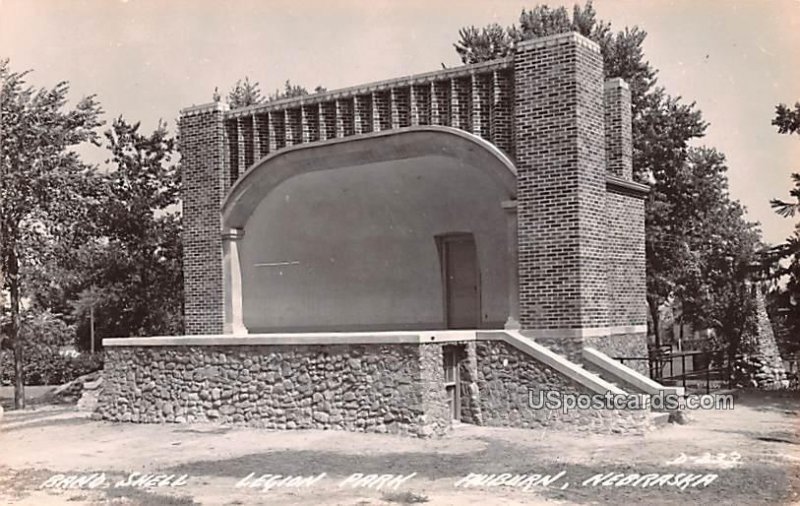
(396, 388)
(378, 388)
(505, 376)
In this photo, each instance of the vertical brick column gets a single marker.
(292, 128)
(400, 106)
(561, 188)
(263, 134)
(381, 111)
(362, 114)
(422, 104)
(502, 111)
(481, 92)
(327, 120)
(205, 183)
(255, 126)
(276, 140)
(413, 106)
(619, 136)
(459, 103)
(625, 249)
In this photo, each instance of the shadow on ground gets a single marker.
(751, 485)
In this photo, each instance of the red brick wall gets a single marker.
(626, 259)
(619, 140)
(205, 183)
(561, 178)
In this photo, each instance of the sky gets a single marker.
(147, 59)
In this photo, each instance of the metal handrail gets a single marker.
(658, 360)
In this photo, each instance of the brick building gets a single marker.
(489, 197)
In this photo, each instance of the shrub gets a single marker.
(43, 335)
(48, 367)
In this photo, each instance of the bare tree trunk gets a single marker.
(654, 315)
(14, 337)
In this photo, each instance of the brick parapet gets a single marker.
(619, 133)
(561, 184)
(205, 182)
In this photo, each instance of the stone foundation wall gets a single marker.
(470, 393)
(504, 377)
(396, 388)
(370, 388)
(436, 417)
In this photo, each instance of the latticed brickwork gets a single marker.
(420, 105)
(481, 106)
(294, 132)
(460, 103)
(362, 119)
(440, 103)
(277, 130)
(344, 117)
(310, 123)
(327, 120)
(400, 107)
(381, 114)
(502, 120)
(262, 129)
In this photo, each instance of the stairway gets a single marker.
(599, 373)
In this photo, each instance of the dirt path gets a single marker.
(757, 445)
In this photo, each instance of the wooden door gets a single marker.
(461, 281)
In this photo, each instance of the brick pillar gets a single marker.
(561, 189)
(502, 115)
(619, 136)
(205, 183)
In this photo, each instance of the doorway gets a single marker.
(460, 280)
(451, 358)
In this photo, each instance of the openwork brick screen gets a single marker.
(475, 98)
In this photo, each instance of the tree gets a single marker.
(786, 119)
(130, 273)
(720, 248)
(245, 93)
(488, 43)
(662, 127)
(786, 256)
(43, 185)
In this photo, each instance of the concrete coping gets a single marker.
(626, 374)
(204, 108)
(616, 82)
(310, 338)
(559, 38)
(559, 363)
(376, 86)
(513, 338)
(625, 186)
